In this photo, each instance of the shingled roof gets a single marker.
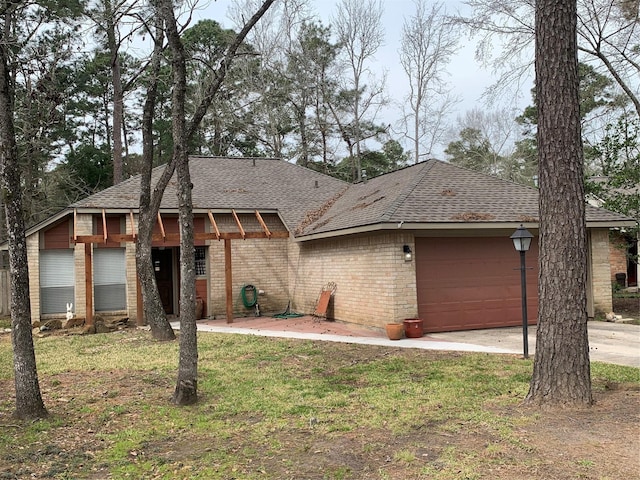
(436, 194)
(431, 194)
(221, 183)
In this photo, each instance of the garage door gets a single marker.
(472, 283)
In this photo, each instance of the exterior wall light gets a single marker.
(408, 254)
(522, 241)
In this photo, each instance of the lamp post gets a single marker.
(522, 241)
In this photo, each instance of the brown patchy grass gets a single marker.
(288, 409)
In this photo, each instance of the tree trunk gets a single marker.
(154, 312)
(561, 373)
(118, 96)
(186, 392)
(29, 402)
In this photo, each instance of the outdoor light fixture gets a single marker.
(522, 241)
(408, 255)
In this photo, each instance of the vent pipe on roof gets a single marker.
(254, 162)
(364, 176)
(316, 184)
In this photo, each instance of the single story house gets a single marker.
(430, 241)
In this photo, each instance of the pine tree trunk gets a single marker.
(29, 402)
(561, 373)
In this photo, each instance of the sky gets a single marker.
(468, 79)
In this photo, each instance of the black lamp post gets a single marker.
(522, 241)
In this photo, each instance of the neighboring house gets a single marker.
(623, 243)
(288, 231)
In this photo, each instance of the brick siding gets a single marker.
(600, 271)
(374, 283)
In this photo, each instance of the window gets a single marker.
(109, 279)
(57, 280)
(201, 261)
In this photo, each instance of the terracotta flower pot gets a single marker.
(394, 330)
(414, 327)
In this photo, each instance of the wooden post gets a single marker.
(88, 282)
(228, 278)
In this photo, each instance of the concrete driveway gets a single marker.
(617, 343)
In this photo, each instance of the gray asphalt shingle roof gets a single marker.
(311, 203)
(235, 183)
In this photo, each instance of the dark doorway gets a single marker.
(632, 263)
(163, 266)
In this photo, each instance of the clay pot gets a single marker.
(394, 330)
(413, 327)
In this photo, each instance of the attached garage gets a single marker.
(473, 282)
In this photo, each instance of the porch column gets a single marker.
(88, 279)
(228, 278)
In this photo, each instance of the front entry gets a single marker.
(163, 267)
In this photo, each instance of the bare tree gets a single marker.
(428, 43)
(154, 312)
(29, 402)
(359, 28)
(561, 371)
(150, 199)
(608, 37)
(182, 132)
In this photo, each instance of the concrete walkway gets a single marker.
(608, 342)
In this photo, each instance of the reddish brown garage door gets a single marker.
(471, 283)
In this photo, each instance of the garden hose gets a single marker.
(249, 303)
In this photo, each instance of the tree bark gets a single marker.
(186, 391)
(118, 96)
(561, 372)
(29, 402)
(154, 313)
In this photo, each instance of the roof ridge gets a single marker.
(400, 199)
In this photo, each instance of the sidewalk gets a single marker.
(608, 342)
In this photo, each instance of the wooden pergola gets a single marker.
(163, 236)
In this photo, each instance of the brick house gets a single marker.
(430, 240)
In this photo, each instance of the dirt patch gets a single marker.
(594, 443)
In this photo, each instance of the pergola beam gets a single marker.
(263, 225)
(235, 216)
(214, 224)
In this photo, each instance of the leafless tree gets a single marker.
(359, 28)
(561, 371)
(428, 43)
(608, 37)
(182, 132)
(29, 402)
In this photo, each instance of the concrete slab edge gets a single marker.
(404, 343)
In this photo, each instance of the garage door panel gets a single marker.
(472, 283)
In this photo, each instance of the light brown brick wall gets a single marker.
(84, 226)
(262, 263)
(33, 261)
(601, 271)
(374, 283)
(132, 285)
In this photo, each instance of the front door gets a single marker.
(163, 267)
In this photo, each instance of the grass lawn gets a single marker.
(294, 409)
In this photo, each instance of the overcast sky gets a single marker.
(468, 79)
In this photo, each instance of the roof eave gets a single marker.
(448, 226)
